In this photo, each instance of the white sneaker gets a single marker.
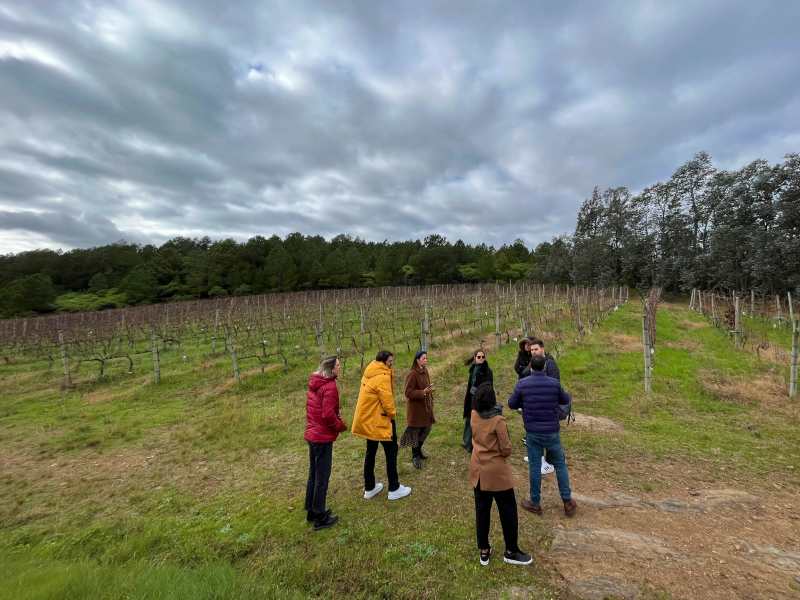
(400, 492)
(374, 491)
(525, 457)
(547, 468)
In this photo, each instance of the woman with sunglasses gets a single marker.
(479, 373)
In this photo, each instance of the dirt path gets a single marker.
(699, 536)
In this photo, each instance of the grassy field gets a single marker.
(194, 488)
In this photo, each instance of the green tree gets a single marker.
(98, 283)
(140, 285)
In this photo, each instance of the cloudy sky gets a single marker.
(485, 121)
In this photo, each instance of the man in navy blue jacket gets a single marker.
(539, 397)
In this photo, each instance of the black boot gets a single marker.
(416, 457)
(311, 517)
(328, 519)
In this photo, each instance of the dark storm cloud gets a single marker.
(485, 122)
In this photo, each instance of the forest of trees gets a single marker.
(731, 230)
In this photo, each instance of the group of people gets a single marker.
(538, 395)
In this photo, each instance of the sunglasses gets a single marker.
(479, 356)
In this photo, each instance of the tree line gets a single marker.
(704, 228)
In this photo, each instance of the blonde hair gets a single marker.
(326, 366)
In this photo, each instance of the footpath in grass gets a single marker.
(194, 488)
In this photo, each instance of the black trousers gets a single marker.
(506, 506)
(466, 437)
(390, 451)
(320, 461)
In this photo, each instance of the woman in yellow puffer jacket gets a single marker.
(374, 422)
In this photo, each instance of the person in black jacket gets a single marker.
(479, 372)
(550, 366)
(523, 357)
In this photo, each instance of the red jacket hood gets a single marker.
(316, 381)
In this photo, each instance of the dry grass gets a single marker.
(766, 391)
(625, 343)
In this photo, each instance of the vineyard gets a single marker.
(766, 325)
(157, 451)
(286, 330)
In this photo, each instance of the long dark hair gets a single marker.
(471, 360)
(417, 356)
(383, 356)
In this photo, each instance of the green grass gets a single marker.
(683, 417)
(194, 488)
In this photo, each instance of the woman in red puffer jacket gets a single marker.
(323, 425)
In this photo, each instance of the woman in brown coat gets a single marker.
(491, 478)
(419, 416)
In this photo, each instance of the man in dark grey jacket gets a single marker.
(540, 398)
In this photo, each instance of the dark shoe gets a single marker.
(328, 520)
(531, 507)
(417, 462)
(311, 516)
(570, 508)
(517, 558)
(485, 555)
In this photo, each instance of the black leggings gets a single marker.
(390, 451)
(506, 506)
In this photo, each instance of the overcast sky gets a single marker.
(485, 121)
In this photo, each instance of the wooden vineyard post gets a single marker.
(214, 335)
(713, 310)
(361, 334)
(793, 369)
(320, 339)
(64, 359)
(648, 383)
(737, 322)
(156, 362)
(425, 338)
(497, 324)
(752, 302)
(791, 308)
(232, 350)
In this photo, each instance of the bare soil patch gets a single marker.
(596, 423)
(699, 536)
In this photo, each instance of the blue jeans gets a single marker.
(550, 443)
